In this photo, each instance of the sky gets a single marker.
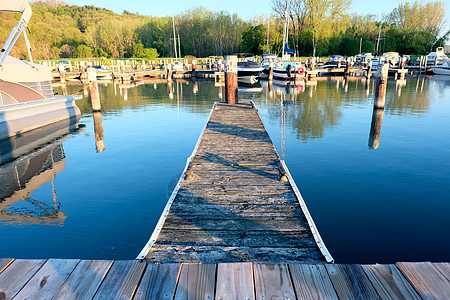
(244, 8)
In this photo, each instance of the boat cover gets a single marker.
(21, 6)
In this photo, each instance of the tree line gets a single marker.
(316, 27)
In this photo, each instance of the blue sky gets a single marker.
(245, 8)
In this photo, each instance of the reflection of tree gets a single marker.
(310, 116)
(145, 95)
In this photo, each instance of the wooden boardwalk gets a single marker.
(104, 279)
(235, 202)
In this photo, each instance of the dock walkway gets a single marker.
(236, 201)
(104, 279)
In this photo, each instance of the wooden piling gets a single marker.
(271, 71)
(219, 65)
(375, 128)
(369, 69)
(231, 84)
(95, 96)
(380, 91)
(98, 129)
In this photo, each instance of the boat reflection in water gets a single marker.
(28, 163)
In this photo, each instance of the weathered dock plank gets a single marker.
(85, 280)
(4, 262)
(428, 281)
(122, 280)
(232, 206)
(312, 282)
(197, 281)
(46, 282)
(389, 282)
(235, 281)
(350, 282)
(17, 274)
(159, 282)
(273, 282)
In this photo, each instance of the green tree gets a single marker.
(253, 39)
(83, 51)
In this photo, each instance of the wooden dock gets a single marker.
(107, 279)
(236, 201)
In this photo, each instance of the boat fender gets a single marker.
(301, 71)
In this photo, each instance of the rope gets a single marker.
(88, 85)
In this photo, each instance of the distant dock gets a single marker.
(236, 201)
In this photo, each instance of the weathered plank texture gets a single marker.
(273, 282)
(159, 282)
(350, 282)
(428, 281)
(233, 207)
(122, 280)
(235, 281)
(46, 282)
(4, 262)
(84, 280)
(312, 282)
(389, 282)
(197, 281)
(17, 274)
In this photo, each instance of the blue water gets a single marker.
(371, 204)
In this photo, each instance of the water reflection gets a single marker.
(98, 129)
(34, 161)
(375, 128)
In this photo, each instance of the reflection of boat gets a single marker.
(250, 88)
(102, 73)
(27, 101)
(43, 160)
(443, 69)
(248, 71)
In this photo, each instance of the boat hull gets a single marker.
(16, 119)
(441, 70)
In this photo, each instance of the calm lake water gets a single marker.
(374, 199)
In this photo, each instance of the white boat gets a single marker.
(27, 101)
(248, 71)
(267, 60)
(437, 57)
(443, 69)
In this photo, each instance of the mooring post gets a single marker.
(231, 84)
(380, 91)
(369, 69)
(95, 96)
(62, 74)
(219, 65)
(98, 129)
(375, 128)
(169, 72)
(271, 71)
(347, 66)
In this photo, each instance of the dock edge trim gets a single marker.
(323, 249)
(315, 232)
(166, 210)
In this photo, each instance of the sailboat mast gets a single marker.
(179, 46)
(174, 38)
(286, 27)
(378, 39)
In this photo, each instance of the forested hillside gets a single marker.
(317, 27)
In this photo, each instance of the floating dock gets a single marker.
(236, 201)
(107, 279)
